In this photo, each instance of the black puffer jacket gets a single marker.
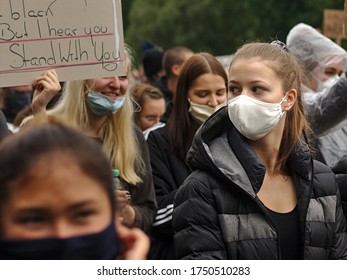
(340, 170)
(218, 215)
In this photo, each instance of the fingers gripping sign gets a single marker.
(46, 87)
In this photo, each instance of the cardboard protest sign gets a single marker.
(80, 39)
(333, 21)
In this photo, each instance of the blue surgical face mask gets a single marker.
(102, 105)
(104, 245)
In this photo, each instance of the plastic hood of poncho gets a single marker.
(313, 48)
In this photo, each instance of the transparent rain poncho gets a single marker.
(324, 104)
(315, 51)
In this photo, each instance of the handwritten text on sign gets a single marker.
(81, 39)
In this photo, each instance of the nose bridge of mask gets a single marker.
(278, 107)
(254, 100)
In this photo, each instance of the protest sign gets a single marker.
(333, 21)
(80, 39)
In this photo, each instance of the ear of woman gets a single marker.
(291, 97)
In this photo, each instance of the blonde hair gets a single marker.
(118, 133)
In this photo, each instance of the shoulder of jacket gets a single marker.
(324, 180)
(200, 180)
(194, 186)
(340, 166)
(321, 168)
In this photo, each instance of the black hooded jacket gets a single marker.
(218, 215)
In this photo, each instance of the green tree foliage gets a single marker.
(218, 26)
(126, 7)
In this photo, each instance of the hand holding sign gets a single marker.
(46, 87)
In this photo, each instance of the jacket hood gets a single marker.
(220, 149)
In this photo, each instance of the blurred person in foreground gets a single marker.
(57, 200)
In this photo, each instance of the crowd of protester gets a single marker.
(248, 163)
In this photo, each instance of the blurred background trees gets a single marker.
(216, 26)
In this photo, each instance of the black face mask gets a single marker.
(15, 102)
(104, 245)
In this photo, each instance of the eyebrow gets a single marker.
(251, 82)
(201, 90)
(208, 90)
(31, 212)
(40, 210)
(82, 204)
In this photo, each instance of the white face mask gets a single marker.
(254, 118)
(202, 112)
(327, 83)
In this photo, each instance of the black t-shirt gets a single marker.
(287, 225)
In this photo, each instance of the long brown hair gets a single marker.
(181, 125)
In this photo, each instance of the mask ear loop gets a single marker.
(284, 99)
(88, 88)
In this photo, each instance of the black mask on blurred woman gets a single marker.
(104, 245)
(15, 102)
